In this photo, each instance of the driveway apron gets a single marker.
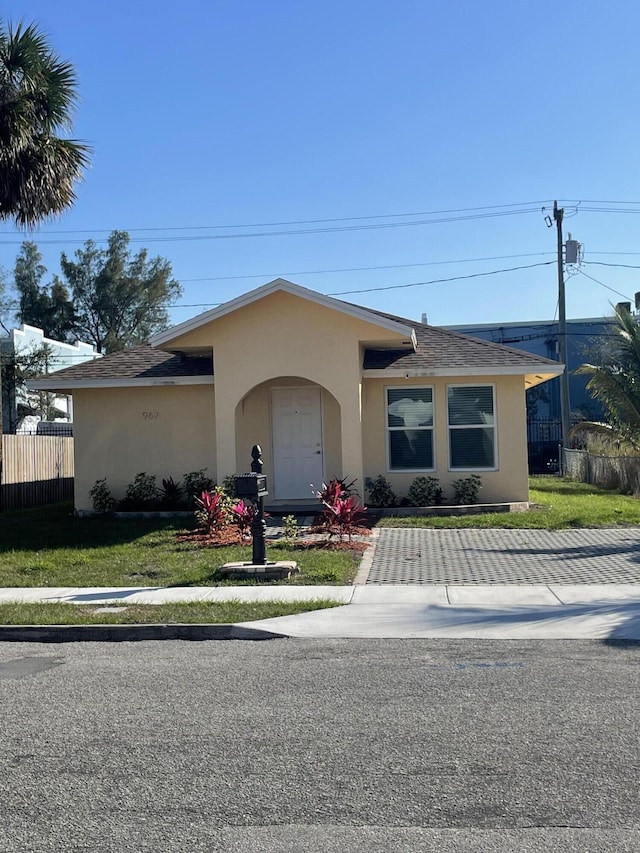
(463, 556)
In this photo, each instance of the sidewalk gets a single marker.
(527, 611)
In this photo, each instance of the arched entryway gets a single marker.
(297, 424)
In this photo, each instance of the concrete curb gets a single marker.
(367, 559)
(130, 633)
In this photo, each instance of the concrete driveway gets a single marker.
(422, 556)
(489, 584)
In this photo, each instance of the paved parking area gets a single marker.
(421, 556)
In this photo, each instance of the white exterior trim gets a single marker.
(544, 372)
(388, 429)
(496, 444)
(168, 335)
(71, 384)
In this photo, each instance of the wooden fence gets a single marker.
(35, 470)
(618, 473)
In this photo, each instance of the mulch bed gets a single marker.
(228, 536)
(232, 536)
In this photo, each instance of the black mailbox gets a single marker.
(252, 486)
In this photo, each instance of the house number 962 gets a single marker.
(150, 416)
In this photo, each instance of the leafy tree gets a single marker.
(16, 368)
(38, 93)
(32, 298)
(6, 303)
(119, 299)
(48, 307)
(615, 382)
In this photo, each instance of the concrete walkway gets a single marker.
(490, 584)
(528, 611)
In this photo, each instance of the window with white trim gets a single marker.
(410, 429)
(472, 426)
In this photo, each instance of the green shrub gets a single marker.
(195, 483)
(290, 527)
(466, 490)
(380, 493)
(229, 486)
(425, 491)
(143, 490)
(102, 499)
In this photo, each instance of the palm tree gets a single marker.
(38, 92)
(616, 383)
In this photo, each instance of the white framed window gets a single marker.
(472, 427)
(409, 427)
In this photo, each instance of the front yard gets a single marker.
(557, 504)
(49, 547)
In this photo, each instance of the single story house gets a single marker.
(326, 388)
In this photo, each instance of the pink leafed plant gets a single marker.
(343, 516)
(243, 515)
(211, 511)
(337, 487)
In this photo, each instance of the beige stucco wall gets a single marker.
(254, 420)
(119, 432)
(508, 483)
(284, 335)
(279, 340)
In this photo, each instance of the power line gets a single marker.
(440, 280)
(366, 269)
(291, 232)
(499, 210)
(621, 266)
(391, 286)
(300, 221)
(602, 284)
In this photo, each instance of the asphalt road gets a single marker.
(320, 745)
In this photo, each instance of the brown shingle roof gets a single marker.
(139, 362)
(438, 348)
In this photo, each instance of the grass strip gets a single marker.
(202, 612)
(558, 504)
(49, 546)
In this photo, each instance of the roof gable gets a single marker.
(395, 324)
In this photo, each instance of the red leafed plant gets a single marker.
(334, 489)
(343, 516)
(243, 514)
(212, 511)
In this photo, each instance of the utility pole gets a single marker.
(565, 404)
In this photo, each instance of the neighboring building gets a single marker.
(326, 388)
(22, 409)
(540, 337)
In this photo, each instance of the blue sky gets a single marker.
(234, 113)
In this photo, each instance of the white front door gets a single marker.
(297, 441)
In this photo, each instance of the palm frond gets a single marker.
(38, 91)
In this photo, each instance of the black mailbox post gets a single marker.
(254, 488)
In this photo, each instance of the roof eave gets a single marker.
(114, 382)
(534, 374)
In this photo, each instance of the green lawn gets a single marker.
(48, 546)
(202, 612)
(558, 503)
